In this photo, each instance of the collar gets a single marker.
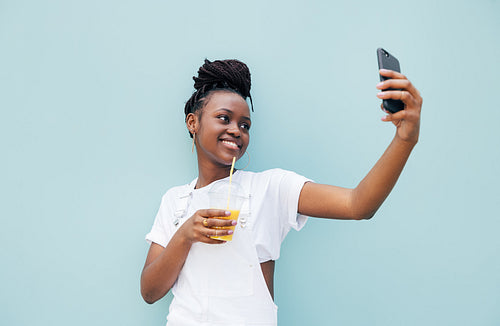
(189, 188)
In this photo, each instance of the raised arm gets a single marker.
(363, 201)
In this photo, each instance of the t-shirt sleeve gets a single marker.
(162, 229)
(290, 186)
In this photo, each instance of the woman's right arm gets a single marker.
(163, 265)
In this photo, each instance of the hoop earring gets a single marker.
(192, 147)
(247, 162)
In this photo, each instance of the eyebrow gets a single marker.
(231, 112)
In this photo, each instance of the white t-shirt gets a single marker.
(224, 284)
(273, 203)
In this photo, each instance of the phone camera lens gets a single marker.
(386, 54)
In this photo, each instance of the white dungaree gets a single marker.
(223, 284)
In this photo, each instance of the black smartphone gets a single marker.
(388, 61)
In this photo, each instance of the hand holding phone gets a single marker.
(388, 61)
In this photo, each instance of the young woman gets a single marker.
(231, 283)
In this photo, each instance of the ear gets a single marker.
(192, 122)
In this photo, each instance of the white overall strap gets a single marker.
(182, 202)
(245, 220)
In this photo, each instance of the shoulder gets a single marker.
(177, 192)
(270, 173)
(277, 174)
(260, 177)
(270, 178)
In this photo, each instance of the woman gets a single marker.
(219, 283)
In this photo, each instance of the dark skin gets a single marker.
(222, 132)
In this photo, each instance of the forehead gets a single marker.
(227, 100)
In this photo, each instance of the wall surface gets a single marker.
(92, 134)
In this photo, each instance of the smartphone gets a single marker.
(388, 61)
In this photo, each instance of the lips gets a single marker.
(232, 144)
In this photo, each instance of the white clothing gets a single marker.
(223, 284)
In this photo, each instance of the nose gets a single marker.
(234, 130)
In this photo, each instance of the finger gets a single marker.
(391, 74)
(204, 235)
(398, 80)
(398, 116)
(207, 239)
(390, 118)
(218, 232)
(219, 222)
(213, 212)
(395, 95)
(398, 84)
(394, 84)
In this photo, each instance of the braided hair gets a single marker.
(230, 75)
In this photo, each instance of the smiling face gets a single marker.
(222, 128)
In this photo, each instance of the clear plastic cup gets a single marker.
(218, 196)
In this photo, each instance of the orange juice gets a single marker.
(234, 216)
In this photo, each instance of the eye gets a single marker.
(245, 125)
(223, 117)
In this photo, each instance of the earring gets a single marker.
(194, 136)
(247, 162)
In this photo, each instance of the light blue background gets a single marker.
(92, 134)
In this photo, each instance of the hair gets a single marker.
(230, 75)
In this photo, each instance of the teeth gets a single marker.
(230, 143)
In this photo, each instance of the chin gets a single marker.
(228, 160)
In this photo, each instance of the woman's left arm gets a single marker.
(363, 201)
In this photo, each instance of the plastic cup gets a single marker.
(218, 198)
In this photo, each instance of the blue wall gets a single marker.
(92, 135)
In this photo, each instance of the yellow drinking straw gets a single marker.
(230, 180)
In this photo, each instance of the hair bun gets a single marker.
(231, 75)
(223, 74)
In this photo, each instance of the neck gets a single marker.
(209, 172)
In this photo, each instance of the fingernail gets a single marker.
(230, 232)
(384, 70)
(381, 94)
(379, 85)
(227, 213)
(234, 222)
(385, 118)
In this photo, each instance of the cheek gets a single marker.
(247, 142)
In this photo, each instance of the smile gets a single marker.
(230, 144)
